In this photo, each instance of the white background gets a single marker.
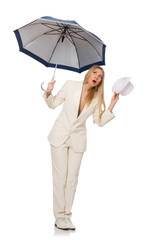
(117, 195)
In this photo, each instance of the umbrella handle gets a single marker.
(44, 88)
(53, 77)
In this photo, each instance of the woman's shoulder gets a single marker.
(73, 82)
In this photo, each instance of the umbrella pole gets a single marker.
(53, 77)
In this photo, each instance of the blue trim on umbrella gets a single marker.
(18, 39)
(79, 70)
(60, 20)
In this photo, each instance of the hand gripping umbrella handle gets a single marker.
(53, 77)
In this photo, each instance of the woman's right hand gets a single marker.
(51, 86)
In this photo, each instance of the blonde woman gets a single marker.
(68, 136)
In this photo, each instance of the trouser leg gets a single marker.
(74, 162)
(65, 168)
(59, 171)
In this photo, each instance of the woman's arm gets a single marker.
(108, 115)
(114, 100)
(54, 101)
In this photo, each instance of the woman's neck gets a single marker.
(86, 87)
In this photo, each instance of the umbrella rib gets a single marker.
(76, 28)
(45, 33)
(48, 25)
(50, 33)
(59, 29)
(75, 48)
(55, 48)
(68, 37)
(79, 38)
(45, 24)
(82, 38)
(60, 26)
(54, 30)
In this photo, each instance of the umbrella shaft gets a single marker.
(53, 77)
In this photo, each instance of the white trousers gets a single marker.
(65, 169)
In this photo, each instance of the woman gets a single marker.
(68, 137)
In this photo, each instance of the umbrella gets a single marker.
(61, 43)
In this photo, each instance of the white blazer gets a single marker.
(68, 122)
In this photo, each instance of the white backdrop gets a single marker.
(117, 195)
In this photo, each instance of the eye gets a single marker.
(94, 72)
(100, 77)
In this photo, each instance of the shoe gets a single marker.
(69, 224)
(60, 223)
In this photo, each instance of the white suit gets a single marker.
(68, 124)
(68, 139)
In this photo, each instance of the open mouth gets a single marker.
(94, 81)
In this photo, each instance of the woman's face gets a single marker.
(95, 77)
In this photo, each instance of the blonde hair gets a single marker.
(97, 91)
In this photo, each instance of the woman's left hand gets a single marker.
(114, 100)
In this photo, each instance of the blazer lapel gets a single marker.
(85, 109)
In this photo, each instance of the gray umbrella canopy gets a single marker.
(59, 42)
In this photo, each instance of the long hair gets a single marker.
(97, 91)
